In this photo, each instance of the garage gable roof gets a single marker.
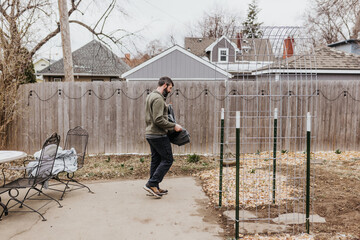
(184, 66)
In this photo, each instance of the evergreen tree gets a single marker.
(251, 26)
(25, 67)
(30, 74)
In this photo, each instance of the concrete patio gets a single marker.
(119, 210)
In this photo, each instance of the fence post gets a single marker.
(221, 156)
(274, 153)
(308, 172)
(237, 173)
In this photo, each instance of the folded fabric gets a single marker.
(65, 161)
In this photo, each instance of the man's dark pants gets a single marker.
(161, 159)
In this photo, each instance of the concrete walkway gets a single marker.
(119, 210)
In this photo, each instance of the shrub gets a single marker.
(337, 151)
(193, 158)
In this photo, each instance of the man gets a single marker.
(157, 125)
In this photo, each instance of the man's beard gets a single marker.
(165, 93)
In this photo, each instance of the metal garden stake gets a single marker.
(308, 172)
(221, 155)
(274, 153)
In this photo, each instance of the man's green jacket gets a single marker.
(156, 116)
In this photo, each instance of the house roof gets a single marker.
(182, 74)
(324, 60)
(254, 49)
(329, 58)
(43, 59)
(92, 59)
(211, 46)
(198, 45)
(344, 42)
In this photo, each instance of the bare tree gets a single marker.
(154, 47)
(329, 21)
(217, 22)
(22, 34)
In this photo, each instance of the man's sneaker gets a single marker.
(163, 191)
(152, 190)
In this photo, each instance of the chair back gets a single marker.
(47, 158)
(77, 138)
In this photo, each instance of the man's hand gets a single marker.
(178, 128)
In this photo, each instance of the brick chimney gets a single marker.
(127, 59)
(238, 40)
(288, 47)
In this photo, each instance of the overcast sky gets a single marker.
(157, 19)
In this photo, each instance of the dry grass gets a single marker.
(108, 167)
(137, 167)
(111, 167)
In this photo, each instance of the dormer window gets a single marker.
(238, 55)
(223, 54)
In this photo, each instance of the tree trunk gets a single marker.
(65, 39)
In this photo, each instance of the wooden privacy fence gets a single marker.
(113, 113)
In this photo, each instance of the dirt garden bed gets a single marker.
(337, 196)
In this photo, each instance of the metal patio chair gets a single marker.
(76, 138)
(38, 175)
(5, 210)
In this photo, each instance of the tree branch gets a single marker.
(99, 34)
(4, 13)
(29, 7)
(356, 29)
(45, 40)
(74, 6)
(56, 31)
(107, 12)
(83, 25)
